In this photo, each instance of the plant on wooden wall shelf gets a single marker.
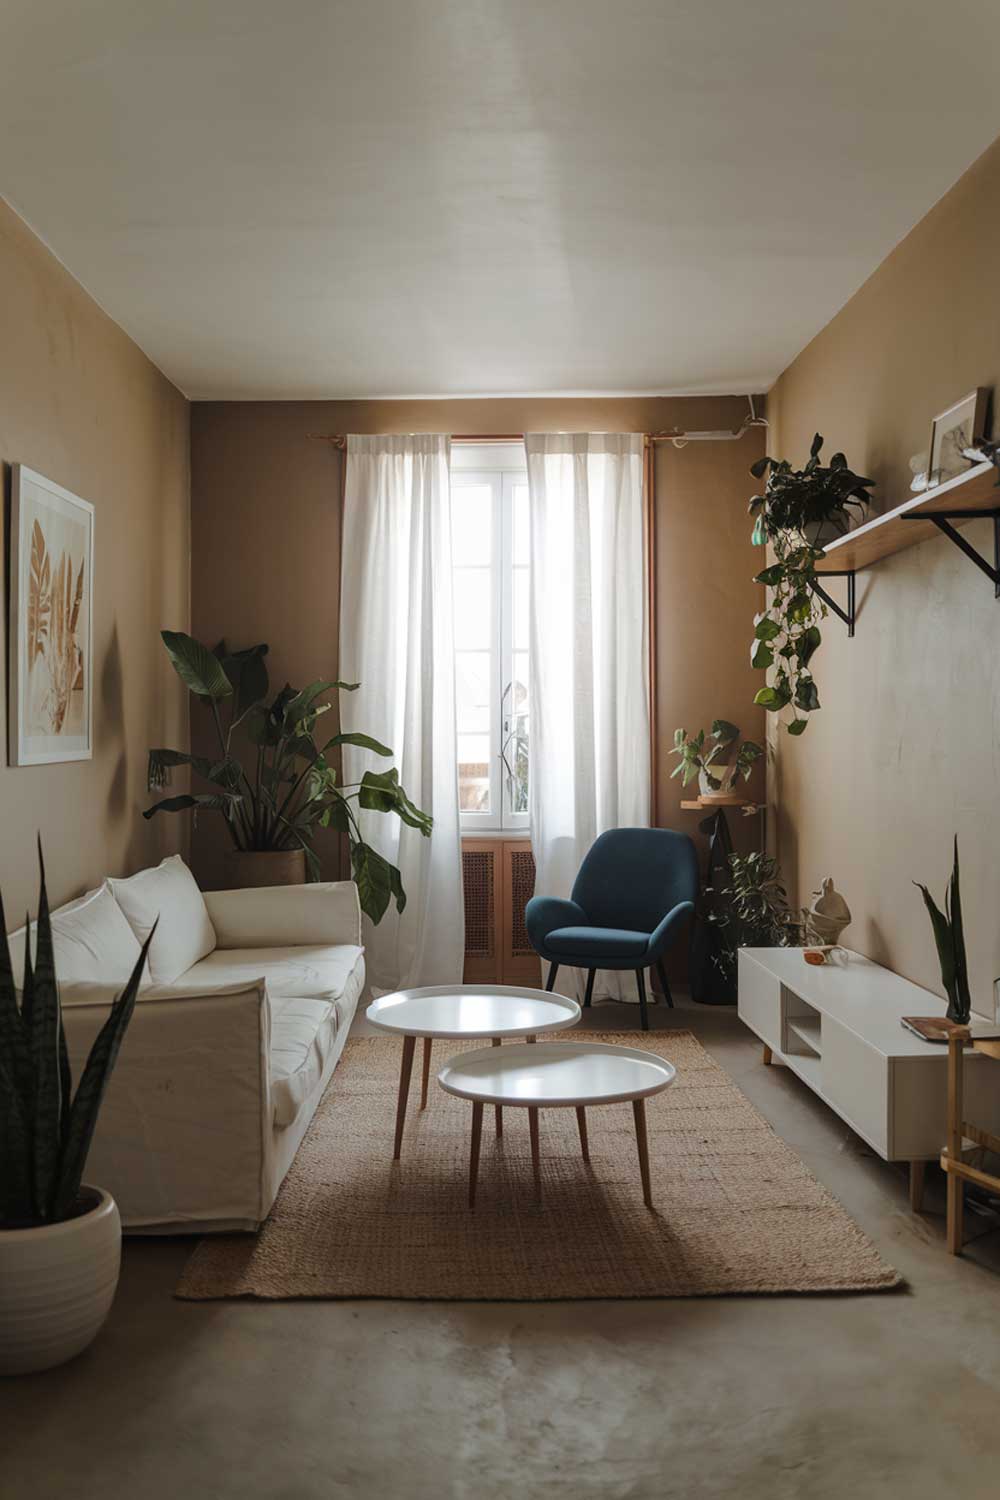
(798, 511)
(717, 759)
(277, 803)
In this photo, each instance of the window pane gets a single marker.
(517, 745)
(522, 546)
(474, 773)
(521, 578)
(473, 673)
(473, 608)
(471, 524)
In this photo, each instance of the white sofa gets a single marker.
(224, 1064)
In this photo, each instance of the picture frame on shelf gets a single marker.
(50, 672)
(952, 431)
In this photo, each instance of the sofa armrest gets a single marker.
(543, 914)
(287, 916)
(184, 1125)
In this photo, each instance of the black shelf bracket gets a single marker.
(942, 520)
(848, 614)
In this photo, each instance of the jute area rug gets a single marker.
(735, 1208)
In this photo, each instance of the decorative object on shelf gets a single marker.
(825, 920)
(717, 759)
(797, 508)
(275, 807)
(984, 452)
(50, 676)
(949, 937)
(60, 1241)
(953, 431)
(919, 464)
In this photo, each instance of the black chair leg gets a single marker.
(668, 997)
(640, 980)
(553, 971)
(590, 988)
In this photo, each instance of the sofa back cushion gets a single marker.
(168, 895)
(91, 941)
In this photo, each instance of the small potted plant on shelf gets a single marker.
(799, 510)
(273, 805)
(949, 938)
(717, 759)
(60, 1240)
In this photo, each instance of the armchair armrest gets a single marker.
(664, 934)
(543, 914)
(286, 916)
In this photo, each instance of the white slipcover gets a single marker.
(221, 1070)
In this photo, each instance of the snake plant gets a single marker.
(46, 1129)
(285, 788)
(949, 938)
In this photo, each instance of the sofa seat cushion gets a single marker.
(303, 1035)
(311, 973)
(167, 897)
(597, 942)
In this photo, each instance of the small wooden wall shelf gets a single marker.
(886, 534)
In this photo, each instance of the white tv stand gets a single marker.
(837, 1026)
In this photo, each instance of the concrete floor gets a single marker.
(893, 1396)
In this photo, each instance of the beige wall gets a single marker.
(82, 405)
(904, 752)
(266, 562)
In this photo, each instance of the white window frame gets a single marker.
(501, 469)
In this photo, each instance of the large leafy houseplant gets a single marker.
(289, 788)
(752, 909)
(45, 1128)
(949, 938)
(790, 518)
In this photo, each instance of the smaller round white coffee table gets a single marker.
(464, 1012)
(556, 1075)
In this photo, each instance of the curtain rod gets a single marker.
(679, 436)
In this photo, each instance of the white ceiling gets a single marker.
(300, 198)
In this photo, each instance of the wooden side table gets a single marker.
(960, 1130)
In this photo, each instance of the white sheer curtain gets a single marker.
(589, 653)
(396, 639)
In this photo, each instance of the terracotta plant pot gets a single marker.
(57, 1284)
(261, 868)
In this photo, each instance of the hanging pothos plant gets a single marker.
(797, 509)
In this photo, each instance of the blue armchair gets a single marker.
(631, 900)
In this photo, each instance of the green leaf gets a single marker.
(46, 1125)
(247, 672)
(214, 801)
(761, 655)
(759, 468)
(373, 879)
(16, 1196)
(724, 732)
(766, 628)
(798, 726)
(772, 575)
(758, 537)
(91, 1088)
(772, 698)
(13, 1034)
(362, 741)
(806, 696)
(196, 666)
(963, 997)
(806, 644)
(334, 815)
(300, 704)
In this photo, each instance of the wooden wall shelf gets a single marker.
(884, 535)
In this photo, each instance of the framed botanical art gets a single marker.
(953, 430)
(50, 628)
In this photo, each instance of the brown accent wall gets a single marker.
(80, 403)
(266, 543)
(904, 752)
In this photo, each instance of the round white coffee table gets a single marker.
(556, 1075)
(464, 1012)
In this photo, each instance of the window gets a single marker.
(489, 508)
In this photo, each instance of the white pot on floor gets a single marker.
(57, 1284)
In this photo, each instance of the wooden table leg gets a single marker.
(405, 1069)
(917, 1174)
(426, 1073)
(768, 1054)
(497, 1109)
(956, 1187)
(581, 1120)
(639, 1111)
(536, 1164)
(477, 1135)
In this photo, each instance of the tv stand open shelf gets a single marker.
(837, 1027)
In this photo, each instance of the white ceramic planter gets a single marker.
(57, 1284)
(724, 776)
